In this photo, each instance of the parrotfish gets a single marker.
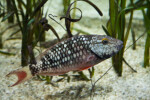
(74, 54)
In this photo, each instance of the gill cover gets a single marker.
(105, 47)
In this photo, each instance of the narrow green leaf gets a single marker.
(83, 76)
(147, 51)
(6, 53)
(128, 29)
(59, 80)
(30, 22)
(48, 79)
(68, 79)
(7, 16)
(92, 73)
(146, 22)
(105, 30)
(125, 9)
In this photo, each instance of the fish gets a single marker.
(73, 54)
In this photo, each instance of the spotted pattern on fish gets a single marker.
(75, 53)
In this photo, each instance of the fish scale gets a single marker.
(68, 57)
(74, 54)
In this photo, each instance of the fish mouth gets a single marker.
(118, 47)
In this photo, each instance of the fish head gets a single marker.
(105, 46)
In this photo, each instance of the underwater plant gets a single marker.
(118, 9)
(33, 25)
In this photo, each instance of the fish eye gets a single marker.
(105, 41)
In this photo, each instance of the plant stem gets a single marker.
(147, 51)
(1, 44)
(9, 9)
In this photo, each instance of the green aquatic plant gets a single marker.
(66, 4)
(28, 23)
(116, 28)
(28, 15)
(144, 6)
(146, 15)
(1, 44)
(10, 10)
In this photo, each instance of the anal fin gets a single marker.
(84, 68)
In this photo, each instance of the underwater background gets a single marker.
(117, 84)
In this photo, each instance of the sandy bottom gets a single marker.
(131, 86)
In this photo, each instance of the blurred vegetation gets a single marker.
(28, 16)
(116, 27)
(146, 15)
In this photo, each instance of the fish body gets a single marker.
(74, 54)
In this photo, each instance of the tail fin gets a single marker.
(23, 74)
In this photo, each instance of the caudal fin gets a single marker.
(23, 74)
